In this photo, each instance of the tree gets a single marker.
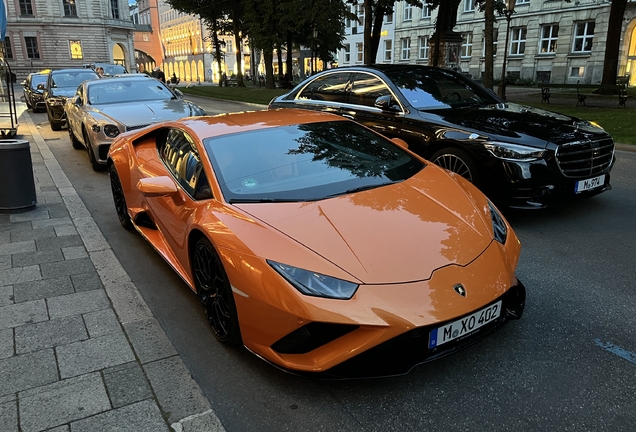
(374, 13)
(612, 44)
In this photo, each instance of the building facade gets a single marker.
(147, 37)
(45, 34)
(549, 41)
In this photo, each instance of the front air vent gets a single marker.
(310, 337)
(129, 128)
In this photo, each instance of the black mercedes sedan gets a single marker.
(60, 85)
(519, 156)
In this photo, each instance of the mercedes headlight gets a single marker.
(514, 152)
(315, 284)
(111, 131)
(499, 227)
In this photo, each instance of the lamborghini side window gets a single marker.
(180, 156)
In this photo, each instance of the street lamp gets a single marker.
(510, 9)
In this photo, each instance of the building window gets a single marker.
(495, 44)
(467, 44)
(518, 41)
(114, 9)
(408, 12)
(347, 53)
(406, 48)
(76, 49)
(520, 2)
(583, 36)
(359, 52)
(543, 76)
(548, 41)
(423, 48)
(8, 53)
(577, 72)
(388, 50)
(32, 50)
(26, 8)
(388, 18)
(229, 46)
(469, 5)
(426, 11)
(361, 14)
(69, 8)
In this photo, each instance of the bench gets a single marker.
(619, 89)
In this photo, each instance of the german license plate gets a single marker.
(463, 326)
(589, 184)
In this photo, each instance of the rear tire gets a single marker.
(215, 292)
(119, 199)
(459, 162)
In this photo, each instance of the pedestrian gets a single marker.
(158, 73)
(100, 71)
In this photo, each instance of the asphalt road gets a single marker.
(568, 365)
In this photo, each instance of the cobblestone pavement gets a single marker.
(79, 348)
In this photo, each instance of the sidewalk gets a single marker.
(79, 348)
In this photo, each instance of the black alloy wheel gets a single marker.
(91, 155)
(457, 161)
(119, 199)
(214, 291)
(56, 126)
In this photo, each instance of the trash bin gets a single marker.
(17, 186)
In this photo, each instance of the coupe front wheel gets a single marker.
(459, 162)
(119, 199)
(77, 145)
(215, 292)
(56, 126)
(91, 155)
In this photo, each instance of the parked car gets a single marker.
(102, 109)
(34, 96)
(60, 85)
(109, 68)
(519, 156)
(319, 244)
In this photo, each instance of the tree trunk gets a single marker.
(268, 54)
(489, 14)
(368, 21)
(217, 50)
(288, 59)
(371, 53)
(612, 45)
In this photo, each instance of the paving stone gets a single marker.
(86, 281)
(207, 422)
(42, 289)
(20, 274)
(32, 234)
(26, 371)
(126, 384)
(178, 395)
(58, 242)
(77, 303)
(6, 343)
(6, 295)
(30, 216)
(63, 402)
(64, 428)
(9, 413)
(101, 322)
(17, 247)
(57, 210)
(74, 252)
(141, 417)
(49, 188)
(38, 257)
(48, 334)
(64, 221)
(22, 313)
(53, 199)
(149, 340)
(70, 267)
(5, 236)
(93, 354)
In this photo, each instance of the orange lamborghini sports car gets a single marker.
(318, 244)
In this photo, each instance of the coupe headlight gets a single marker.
(315, 284)
(111, 131)
(514, 152)
(498, 224)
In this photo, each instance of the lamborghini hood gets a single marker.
(392, 234)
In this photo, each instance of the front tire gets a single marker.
(119, 199)
(77, 145)
(459, 162)
(91, 156)
(56, 126)
(215, 292)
